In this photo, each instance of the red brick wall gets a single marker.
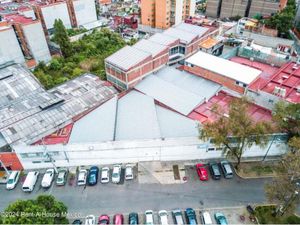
(119, 75)
(225, 81)
(140, 71)
(10, 159)
(160, 61)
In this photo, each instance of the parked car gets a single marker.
(48, 178)
(128, 172)
(118, 219)
(93, 175)
(81, 180)
(62, 177)
(163, 217)
(202, 172)
(105, 175)
(226, 168)
(215, 170)
(149, 217)
(77, 222)
(190, 216)
(90, 220)
(206, 219)
(103, 219)
(220, 218)
(30, 181)
(116, 174)
(177, 217)
(133, 218)
(12, 180)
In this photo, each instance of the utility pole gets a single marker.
(46, 154)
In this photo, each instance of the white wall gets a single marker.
(85, 11)
(178, 12)
(10, 49)
(132, 152)
(56, 11)
(36, 42)
(192, 7)
(28, 13)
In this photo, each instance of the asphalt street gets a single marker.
(134, 197)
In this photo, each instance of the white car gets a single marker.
(48, 178)
(149, 217)
(104, 175)
(12, 180)
(128, 172)
(116, 174)
(90, 220)
(163, 217)
(81, 180)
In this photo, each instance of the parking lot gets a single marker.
(132, 196)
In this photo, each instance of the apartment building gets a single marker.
(165, 13)
(247, 8)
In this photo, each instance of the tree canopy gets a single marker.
(61, 38)
(88, 55)
(43, 210)
(237, 131)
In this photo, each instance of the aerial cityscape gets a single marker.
(150, 112)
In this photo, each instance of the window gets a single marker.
(173, 50)
(241, 84)
(182, 50)
(211, 149)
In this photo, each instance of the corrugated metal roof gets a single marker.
(97, 126)
(189, 82)
(150, 47)
(127, 57)
(192, 28)
(184, 36)
(174, 97)
(136, 118)
(174, 125)
(163, 39)
(233, 70)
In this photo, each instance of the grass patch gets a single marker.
(254, 169)
(264, 215)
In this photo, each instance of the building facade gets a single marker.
(164, 14)
(248, 8)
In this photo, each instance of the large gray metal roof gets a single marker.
(200, 31)
(127, 57)
(150, 47)
(162, 39)
(189, 82)
(29, 117)
(167, 93)
(97, 126)
(184, 36)
(136, 118)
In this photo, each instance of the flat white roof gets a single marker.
(127, 57)
(184, 36)
(224, 67)
(149, 46)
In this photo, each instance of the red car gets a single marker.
(118, 219)
(103, 219)
(202, 171)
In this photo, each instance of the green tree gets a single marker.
(43, 210)
(61, 38)
(237, 131)
(284, 190)
(287, 117)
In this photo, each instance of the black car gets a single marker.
(93, 175)
(190, 216)
(77, 222)
(133, 218)
(215, 170)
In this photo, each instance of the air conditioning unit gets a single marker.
(276, 90)
(282, 92)
(298, 89)
(295, 67)
(285, 77)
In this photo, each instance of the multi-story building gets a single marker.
(165, 13)
(247, 8)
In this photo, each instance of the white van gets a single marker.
(30, 181)
(206, 219)
(12, 180)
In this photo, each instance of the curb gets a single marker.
(255, 177)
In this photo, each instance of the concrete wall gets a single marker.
(36, 42)
(29, 13)
(131, 152)
(56, 11)
(263, 99)
(10, 49)
(178, 11)
(85, 11)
